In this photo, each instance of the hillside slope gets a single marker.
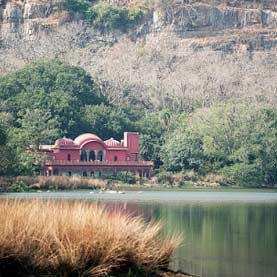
(183, 54)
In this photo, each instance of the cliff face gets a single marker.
(199, 19)
(196, 51)
(28, 17)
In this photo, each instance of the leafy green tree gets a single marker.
(7, 157)
(51, 86)
(237, 141)
(106, 121)
(182, 150)
(7, 161)
(35, 127)
(152, 128)
(3, 136)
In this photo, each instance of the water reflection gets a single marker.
(224, 234)
(219, 239)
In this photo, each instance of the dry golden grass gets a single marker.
(64, 182)
(54, 182)
(78, 238)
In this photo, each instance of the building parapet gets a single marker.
(102, 163)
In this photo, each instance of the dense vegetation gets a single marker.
(105, 16)
(47, 100)
(238, 142)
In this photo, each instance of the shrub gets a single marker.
(165, 178)
(18, 187)
(77, 5)
(125, 177)
(219, 179)
(190, 175)
(106, 16)
(244, 174)
(109, 17)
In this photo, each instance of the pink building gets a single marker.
(89, 155)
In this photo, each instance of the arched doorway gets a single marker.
(83, 156)
(91, 156)
(100, 156)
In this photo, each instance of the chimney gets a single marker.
(131, 141)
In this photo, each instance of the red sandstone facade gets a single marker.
(89, 155)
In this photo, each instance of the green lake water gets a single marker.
(224, 233)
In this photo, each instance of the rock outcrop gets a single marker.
(185, 51)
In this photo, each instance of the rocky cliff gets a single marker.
(184, 53)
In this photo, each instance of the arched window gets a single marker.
(69, 173)
(100, 156)
(91, 156)
(91, 174)
(68, 157)
(115, 158)
(85, 174)
(83, 156)
(128, 158)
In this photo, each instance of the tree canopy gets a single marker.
(47, 100)
(51, 87)
(239, 142)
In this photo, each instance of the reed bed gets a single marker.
(64, 238)
(53, 182)
(65, 182)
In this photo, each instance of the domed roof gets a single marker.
(112, 142)
(64, 142)
(86, 137)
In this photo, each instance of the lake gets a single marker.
(224, 233)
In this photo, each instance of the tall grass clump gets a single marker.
(26, 183)
(78, 239)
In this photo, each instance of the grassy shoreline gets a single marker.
(63, 183)
(61, 238)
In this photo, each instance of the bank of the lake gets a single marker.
(62, 183)
(224, 233)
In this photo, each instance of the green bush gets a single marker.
(18, 187)
(244, 174)
(77, 5)
(105, 16)
(165, 178)
(125, 177)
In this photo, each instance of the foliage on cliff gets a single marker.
(105, 16)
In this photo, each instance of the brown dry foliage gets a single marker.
(54, 182)
(63, 238)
